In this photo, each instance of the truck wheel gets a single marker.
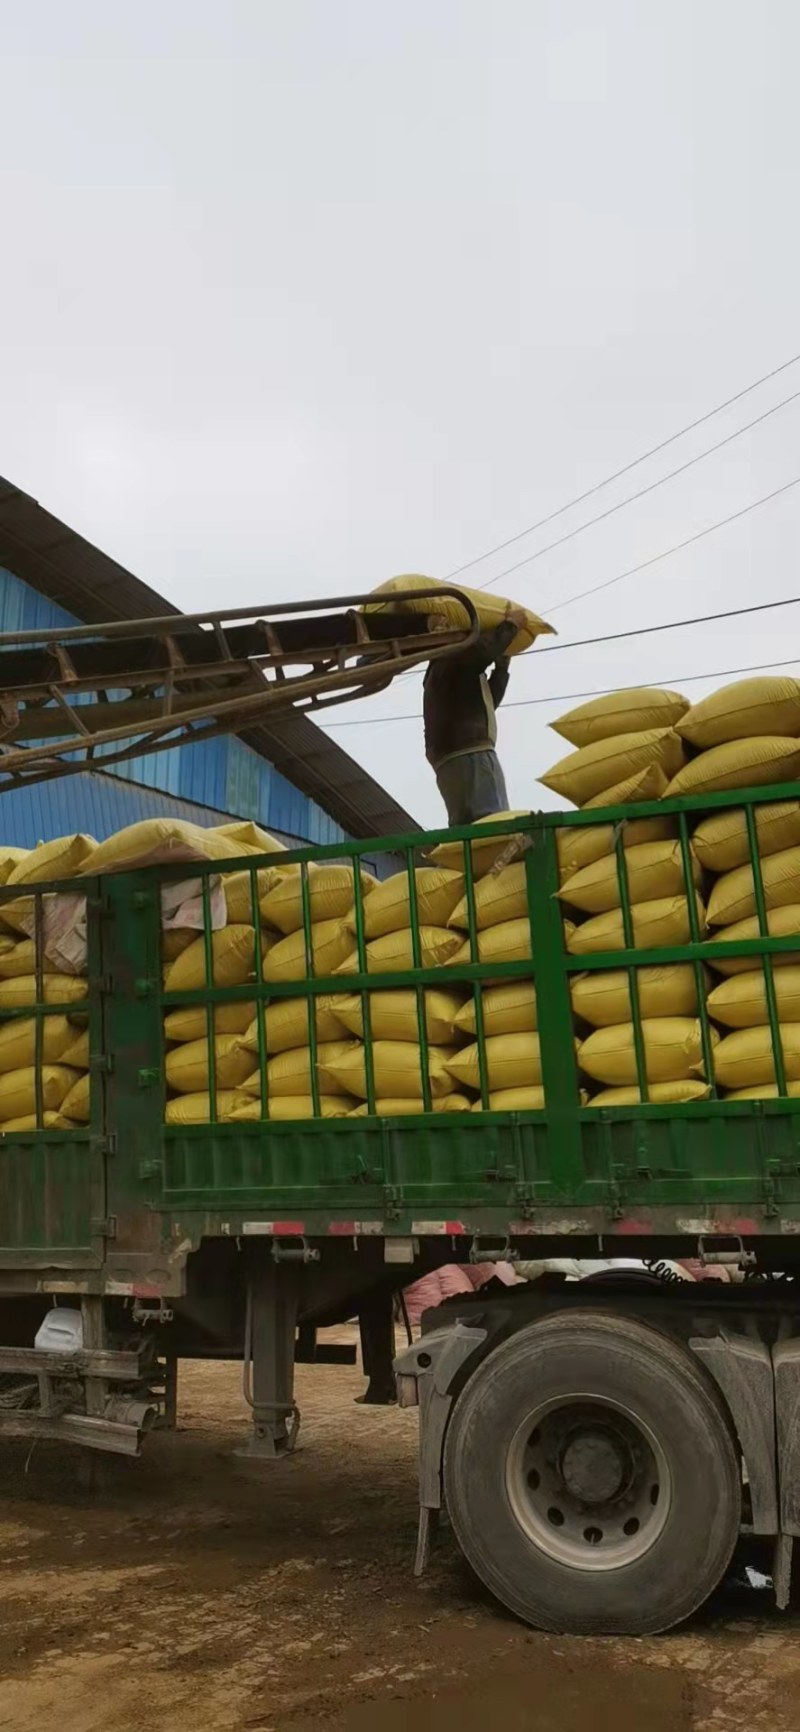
(592, 1478)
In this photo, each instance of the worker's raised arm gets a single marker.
(490, 647)
(498, 680)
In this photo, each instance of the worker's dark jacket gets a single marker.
(460, 699)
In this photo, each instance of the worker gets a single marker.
(459, 702)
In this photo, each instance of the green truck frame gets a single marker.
(242, 1240)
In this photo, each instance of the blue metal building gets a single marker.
(287, 775)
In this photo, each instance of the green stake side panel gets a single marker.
(125, 1199)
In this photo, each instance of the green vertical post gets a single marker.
(633, 984)
(477, 988)
(38, 1012)
(311, 1003)
(556, 1033)
(766, 961)
(261, 1009)
(361, 952)
(696, 937)
(208, 946)
(419, 991)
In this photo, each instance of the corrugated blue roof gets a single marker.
(221, 777)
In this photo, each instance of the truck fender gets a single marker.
(741, 1366)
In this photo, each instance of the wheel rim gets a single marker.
(588, 1482)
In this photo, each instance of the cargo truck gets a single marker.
(599, 1445)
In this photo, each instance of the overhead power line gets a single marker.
(632, 497)
(678, 547)
(632, 571)
(575, 697)
(550, 649)
(625, 470)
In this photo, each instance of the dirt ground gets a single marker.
(195, 1594)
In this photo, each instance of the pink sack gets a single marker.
(479, 1273)
(433, 1288)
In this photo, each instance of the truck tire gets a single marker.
(592, 1477)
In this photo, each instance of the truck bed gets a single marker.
(119, 1206)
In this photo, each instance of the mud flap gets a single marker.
(432, 1365)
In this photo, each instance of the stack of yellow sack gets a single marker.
(394, 1046)
(743, 736)
(277, 1054)
(657, 893)
(63, 1042)
(626, 748)
(738, 1002)
(746, 735)
(393, 1013)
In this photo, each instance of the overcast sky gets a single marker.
(300, 296)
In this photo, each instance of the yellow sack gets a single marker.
(647, 784)
(592, 768)
(768, 704)
(438, 891)
(9, 858)
(720, 842)
(781, 923)
(232, 961)
(330, 896)
(400, 1107)
(509, 1008)
(155, 842)
(286, 1024)
(512, 1061)
(396, 1070)
(17, 959)
(196, 1109)
(632, 710)
(673, 1048)
(486, 854)
(76, 1054)
(331, 942)
(289, 1073)
(187, 1065)
(76, 1104)
(658, 1094)
(50, 1122)
(18, 1041)
(56, 989)
(740, 764)
(285, 1107)
(764, 1092)
(492, 610)
(515, 1100)
(733, 896)
(741, 1001)
(744, 1059)
(249, 838)
(510, 941)
(191, 1023)
(665, 989)
(62, 858)
(393, 1014)
(18, 1090)
(238, 893)
(502, 895)
(654, 869)
(577, 848)
(663, 921)
(394, 952)
(174, 942)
